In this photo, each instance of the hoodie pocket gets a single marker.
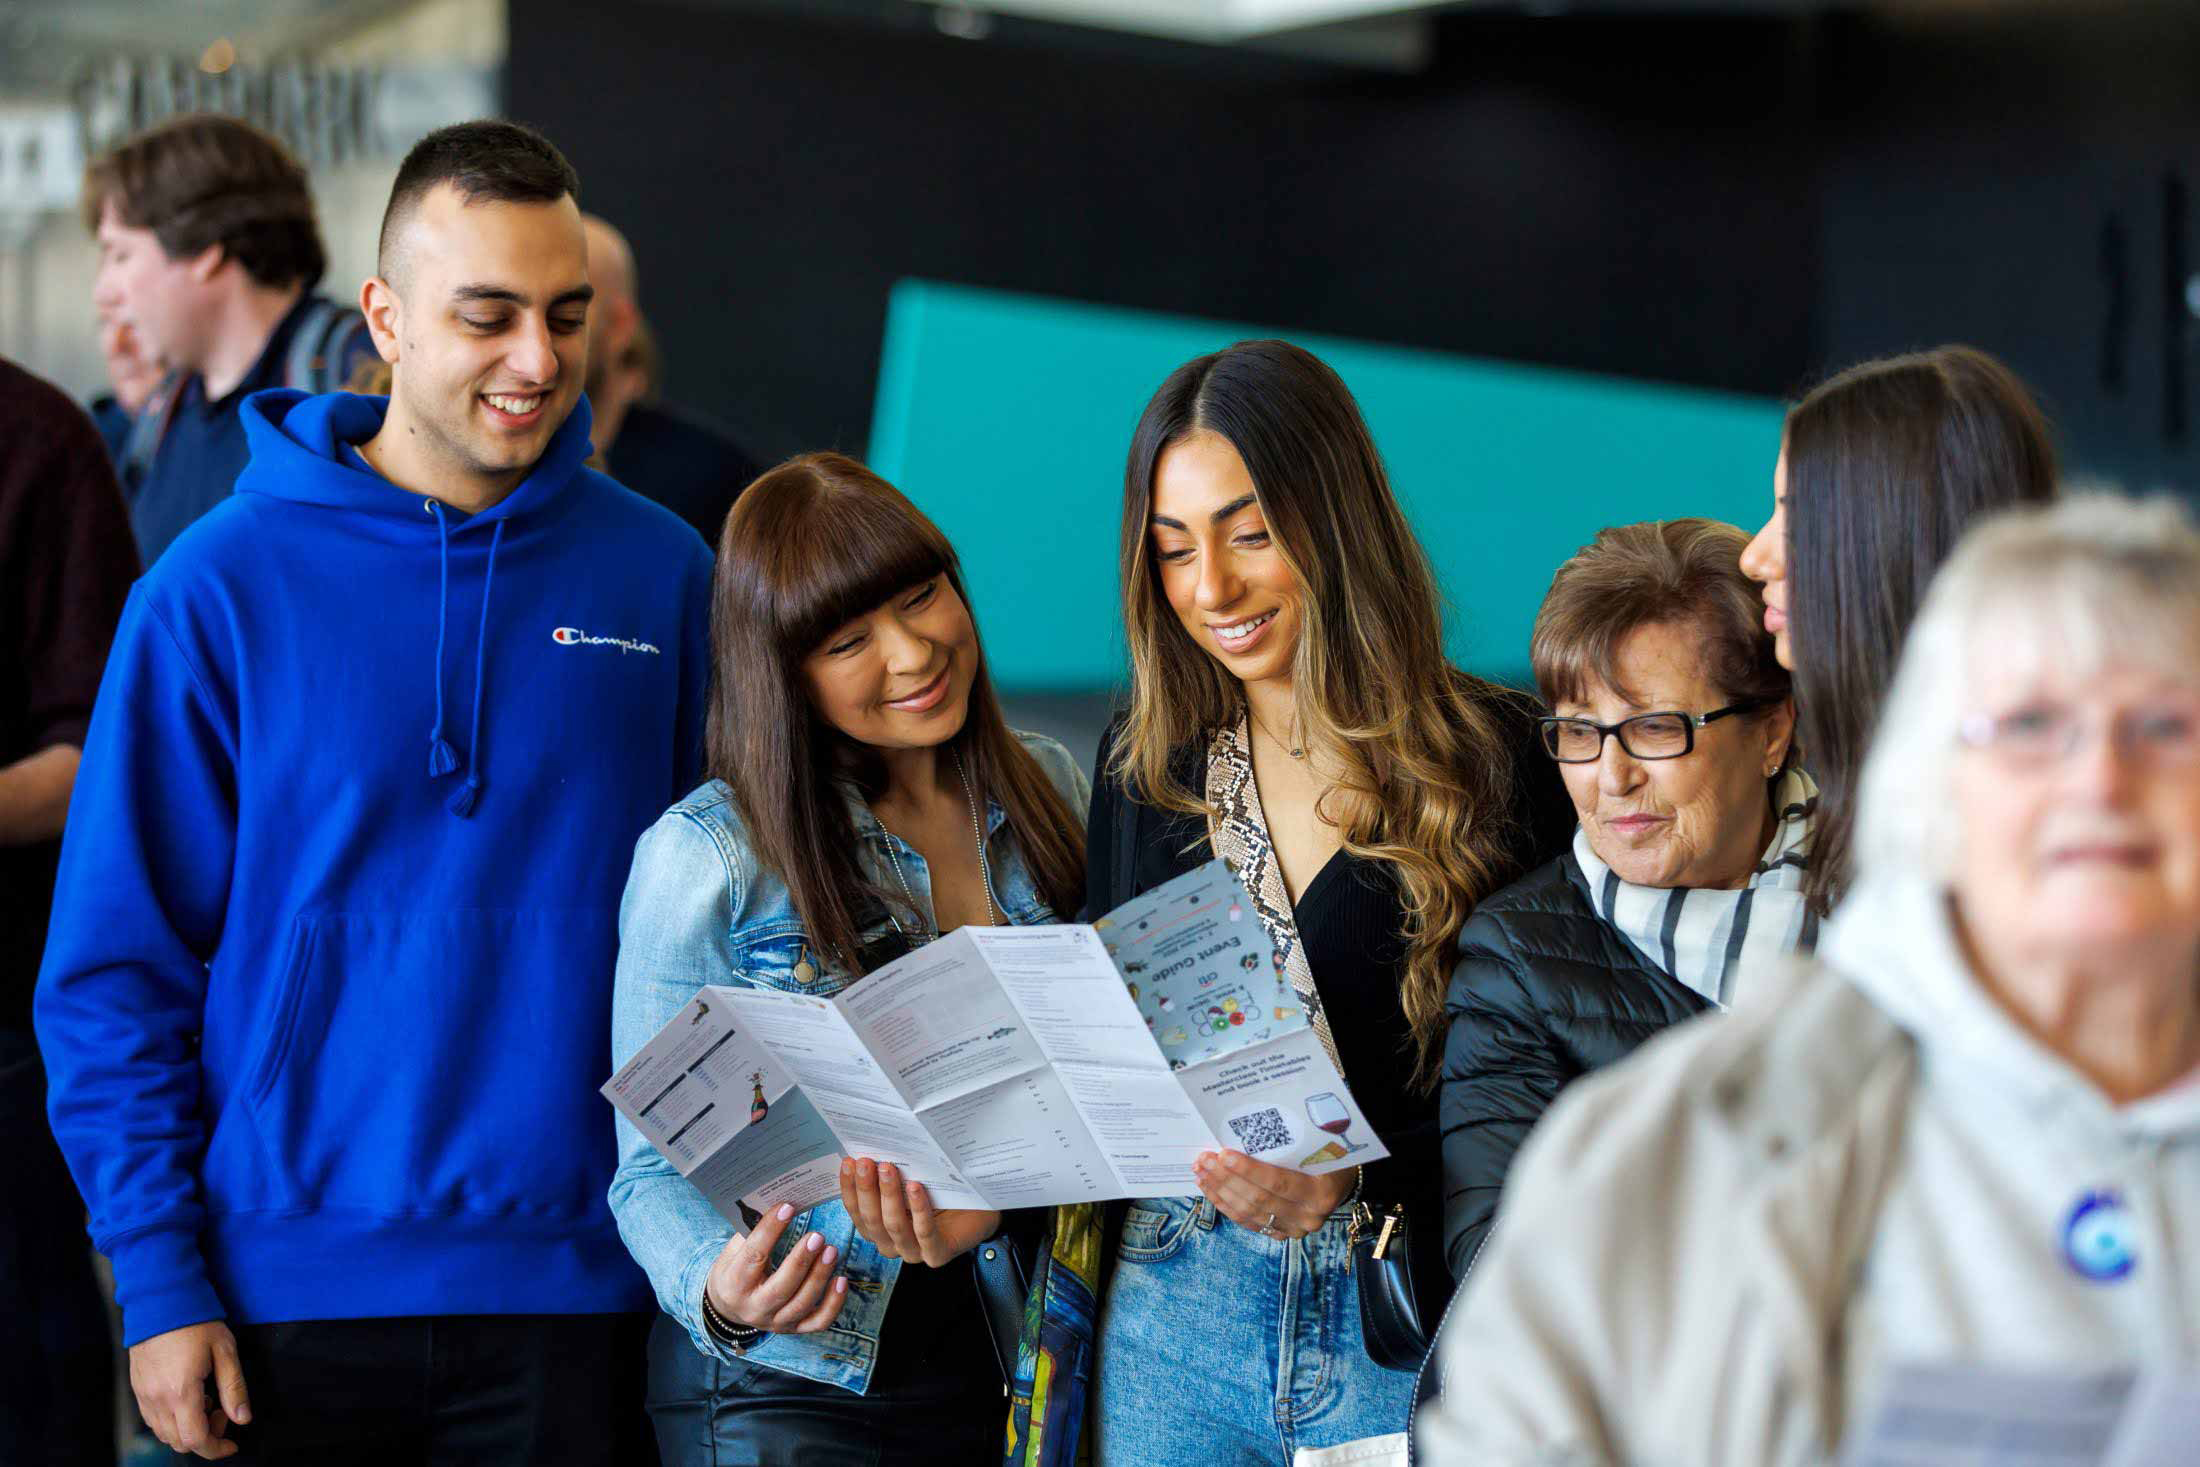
(442, 1062)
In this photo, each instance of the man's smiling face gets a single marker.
(492, 329)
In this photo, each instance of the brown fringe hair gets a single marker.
(1425, 783)
(1685, 571)
(809, 546)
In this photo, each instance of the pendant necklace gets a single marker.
(985, 869)
(1296, 753)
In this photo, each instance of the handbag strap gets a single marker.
(1237, 828)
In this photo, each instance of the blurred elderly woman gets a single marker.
(1671, 727)
(1968, 1133)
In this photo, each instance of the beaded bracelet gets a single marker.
(735, 1337)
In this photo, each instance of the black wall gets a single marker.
(1629, 196)
(2019, 181)
(1730, 201)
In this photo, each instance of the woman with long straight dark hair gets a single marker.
(1293, 711)
(865, 797)
(1882, 467)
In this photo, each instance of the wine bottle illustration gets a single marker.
(758, 1108)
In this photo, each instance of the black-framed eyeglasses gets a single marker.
(1645, 736)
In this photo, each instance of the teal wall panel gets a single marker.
(1007, 417)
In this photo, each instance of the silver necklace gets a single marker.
(1298, 753)
(985, 868)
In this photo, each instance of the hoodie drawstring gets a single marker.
(442, 758)
(462, 799)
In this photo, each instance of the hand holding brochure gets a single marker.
(1008, 1067)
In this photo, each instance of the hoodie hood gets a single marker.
(297, 455)
(1895, 940)
(296, 443)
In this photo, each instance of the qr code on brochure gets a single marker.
(1261, 1130)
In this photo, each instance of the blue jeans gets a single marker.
(1221, 1347)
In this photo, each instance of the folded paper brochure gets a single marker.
(1007, 1066)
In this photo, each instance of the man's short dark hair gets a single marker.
(205, 179)
(486, 161)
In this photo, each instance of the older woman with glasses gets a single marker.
(1968, 1133)
(1671, 727)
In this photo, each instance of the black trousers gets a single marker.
(57, 1373)
(945, 1410)
(538, 1390)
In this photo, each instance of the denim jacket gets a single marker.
(698, 909)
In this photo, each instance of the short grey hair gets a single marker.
(2082, 583)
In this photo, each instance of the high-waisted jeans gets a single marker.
(1220, 1347)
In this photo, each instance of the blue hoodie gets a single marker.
(328, 990)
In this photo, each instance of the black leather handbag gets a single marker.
(1002, 1267)
(1390, 1316)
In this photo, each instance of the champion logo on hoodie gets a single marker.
(575, 637)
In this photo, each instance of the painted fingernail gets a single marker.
(786, 1210)
(840, 1286)
(813, 1242)
(886, 1170)
(831, 1254)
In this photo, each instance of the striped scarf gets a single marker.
(1702, 936)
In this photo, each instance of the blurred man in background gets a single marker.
(691, 469)
(208, 253)
(66, 563)
(133, 376)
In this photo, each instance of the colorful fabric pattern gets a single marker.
(1055, 1348)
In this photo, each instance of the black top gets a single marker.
(1351, 922)
(934, 1337)
(66, 564)
(691, 469)
(1545, 991)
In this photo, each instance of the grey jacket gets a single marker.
(1723, 1249)
(1696, 1328)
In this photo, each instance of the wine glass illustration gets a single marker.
(1328, 1113)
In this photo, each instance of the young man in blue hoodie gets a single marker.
(326, 999)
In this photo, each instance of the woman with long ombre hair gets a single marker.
(865, 796)
(1292, 710)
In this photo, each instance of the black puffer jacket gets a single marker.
(1545, 991)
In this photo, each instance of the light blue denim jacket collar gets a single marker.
(887, 849)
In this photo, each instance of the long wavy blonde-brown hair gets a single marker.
(1424, 778)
